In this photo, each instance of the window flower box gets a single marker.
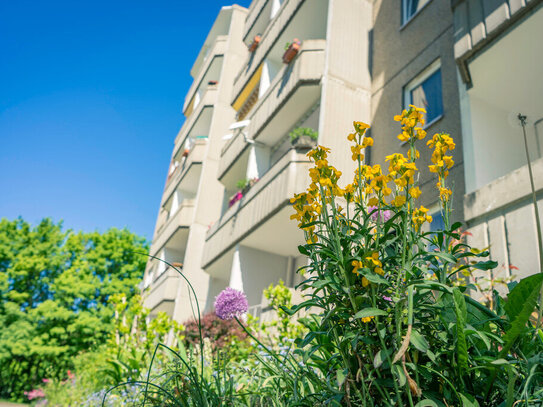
(292, 49)
(254, 44)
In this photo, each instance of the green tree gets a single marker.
(54, 290)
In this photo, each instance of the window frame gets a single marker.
(417, 81)
(404, 20)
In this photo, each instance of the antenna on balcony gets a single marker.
(239, 127)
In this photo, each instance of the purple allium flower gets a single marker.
(230, 303)
(375, 212)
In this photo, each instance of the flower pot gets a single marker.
(304, 142)
(291, 51)
(254, 45)
(186, 152)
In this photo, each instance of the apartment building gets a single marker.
(499, 50)
(282, 65)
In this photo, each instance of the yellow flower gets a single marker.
(399, 200)
(365, 282)
(415, 192)
(374, 258)
(351, 137)
(420, 133)
(356, 265)
(367, 142)
(420, 216)
(365, 320)
(404, 136)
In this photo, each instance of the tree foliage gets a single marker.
(54, 289)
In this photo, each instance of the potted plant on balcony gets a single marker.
(254, 44)
(246, 184)
(291, 49)
(236, 197)
(303, 137)
(186, 152)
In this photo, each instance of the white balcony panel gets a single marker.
(162, 292)
(174, 232)
(207, 71)
(294, 90)
(187, 176)
(197, 119)
(261, 204)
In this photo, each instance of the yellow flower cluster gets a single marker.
(420, 216)
(323, 174)
(401, 169)
(307, 209)
(371, 185)
(409, 120)
(360, 140)
(372, 262)
(442, 163)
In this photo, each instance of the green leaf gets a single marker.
(449, 258)
(380, 357)
(369, 312)
(461, 316)
(519, 306)
(418, 341)
(468, 401)
(341, 375)
(426, 403)
(485, 265)
(376, 278)
(400, 374)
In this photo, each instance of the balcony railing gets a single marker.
(478, 22)
(182, 218)
(306, 69)
(255, 10)
(266, 197)
(219, 48)
(208, 100)
(184, 172)
(269, 38)
(162, 291)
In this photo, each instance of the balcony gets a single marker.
(162, 292)
(294, 90)
(261, 218)
(477, 23)
(500, 215)
(258, 18)
(198, 123)
(187, 175)
(295, 19)
(210, 71)
(174, 231)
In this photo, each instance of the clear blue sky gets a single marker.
(90, 102)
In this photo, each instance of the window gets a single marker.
(437, 225)
(425, 91)
(411, 7)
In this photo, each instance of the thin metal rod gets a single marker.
(522, 119)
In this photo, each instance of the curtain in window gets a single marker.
(428, 95)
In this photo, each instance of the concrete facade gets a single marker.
(357, 60)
